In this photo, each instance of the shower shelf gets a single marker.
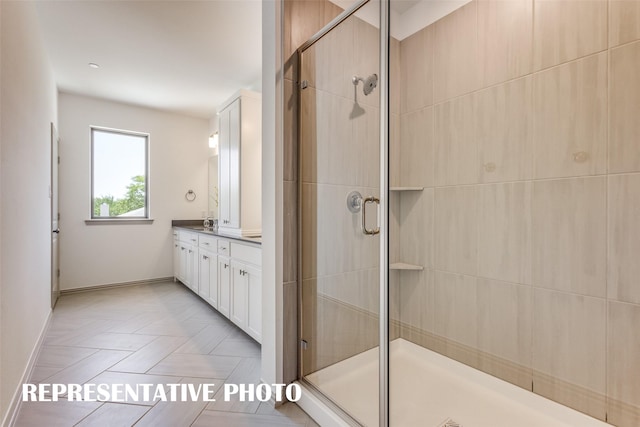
(405, 266)
(406, 188)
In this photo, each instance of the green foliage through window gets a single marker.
(119, 173)
(134, 199)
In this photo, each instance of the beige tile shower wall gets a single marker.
(504, 40)
(520, 119)
(302, 19)
(455, 47)
(504, 114)
(570, 118)
(566, 29)
(624, 98)
(624, 21)
(416, 71)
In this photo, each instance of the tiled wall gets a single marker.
(302, 19)
(521, 120)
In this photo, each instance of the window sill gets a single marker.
(114, 221)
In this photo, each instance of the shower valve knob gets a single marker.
(354, 201)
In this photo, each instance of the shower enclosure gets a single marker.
(468, 204)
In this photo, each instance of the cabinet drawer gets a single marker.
(223, 247)
(188, 237)
(208, 242)
(246, 253)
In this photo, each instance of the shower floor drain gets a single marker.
(450, 423)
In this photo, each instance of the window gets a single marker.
(119, 174)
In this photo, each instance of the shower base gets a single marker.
(430, 390)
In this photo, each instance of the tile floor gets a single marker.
(155, 334)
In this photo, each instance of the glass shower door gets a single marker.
(339, 143)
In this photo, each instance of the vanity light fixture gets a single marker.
(93, 65)
(213, 140)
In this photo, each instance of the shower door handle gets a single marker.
(365, 230)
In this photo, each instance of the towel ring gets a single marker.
(190, 195)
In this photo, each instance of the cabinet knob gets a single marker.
(226, 265)
(205, 257)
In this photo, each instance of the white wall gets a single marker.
(272, 154)
(2, 404)
(92, 255)
(28, 106)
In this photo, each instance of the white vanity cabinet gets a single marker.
(224, 284)
(246, 305)
(186, 255)
(229, 176)
(239, 295)
(226, 273)
(254, 312)
(192, 268)
(240, 157)
(246, 289)
(208, 269)
(176, 256)
(208, 282)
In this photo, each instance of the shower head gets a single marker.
(369, 84)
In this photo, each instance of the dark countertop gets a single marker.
(196, 225)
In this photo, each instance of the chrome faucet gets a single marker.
(211, 224)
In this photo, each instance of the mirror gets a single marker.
(213, 187)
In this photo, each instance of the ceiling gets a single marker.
(407, 16)
(182, 56)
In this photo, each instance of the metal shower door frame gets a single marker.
(384, 214)
(384, 314)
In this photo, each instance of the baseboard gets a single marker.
(622, 413)
(117, 285)
(16, 401)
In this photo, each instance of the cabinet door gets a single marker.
(213, 280)
(254, 310)
(194, 270)
(205, 268)
(239, 294)
(189, 266)
(188, 275)
(224, 285)
(223, 167)
(176, 259)
(183, 263)
(234, 164)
